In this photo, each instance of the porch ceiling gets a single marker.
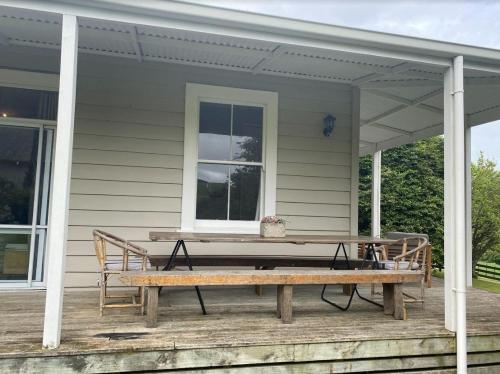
(401, 101)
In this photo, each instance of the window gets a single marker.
(229, 158)
(26, 103)
(25, 160)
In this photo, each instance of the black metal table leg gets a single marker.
(370, 252)
(171, 263)
(190, 265)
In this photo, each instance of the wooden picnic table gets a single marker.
(256, 238)
(182, 237)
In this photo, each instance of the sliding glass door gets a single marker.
(25, 168)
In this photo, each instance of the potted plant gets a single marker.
(272, 227)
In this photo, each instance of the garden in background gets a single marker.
(412, 200)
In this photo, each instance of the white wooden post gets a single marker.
(376, 192)
(449, 201)
(460, 229)
(355, 123)
(468, 202)
(59, 201)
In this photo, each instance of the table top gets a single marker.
(256, 238)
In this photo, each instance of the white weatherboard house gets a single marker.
(133, 116)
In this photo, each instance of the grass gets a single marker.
(481, 283)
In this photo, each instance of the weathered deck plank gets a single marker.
(241, 329)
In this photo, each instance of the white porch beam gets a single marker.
(460, 229)
(402, 100)
(468, 202)
(390, 128)
(355, 118)
(426, 132)
(59, 201)
(376, 192)
(403, 82)
(401, 107)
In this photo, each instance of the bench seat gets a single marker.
(392, 281)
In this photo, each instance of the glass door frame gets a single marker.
(35, 228)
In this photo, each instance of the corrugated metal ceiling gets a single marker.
(389, 86)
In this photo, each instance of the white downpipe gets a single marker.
(468, 202)
(59, 201)
(449, 205)
(460, 255)
(376, 192)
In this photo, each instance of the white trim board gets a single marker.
(269, 100)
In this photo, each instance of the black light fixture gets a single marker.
(329, 123)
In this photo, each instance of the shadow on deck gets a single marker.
(242, 332)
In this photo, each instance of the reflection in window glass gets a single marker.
(26, 103)
(214, 139)
(45, 173)
(18, 154)
(247, 133)
(38, 255)
(245, 191)
(212, 192)
(14, 256)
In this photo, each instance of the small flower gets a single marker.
(273, 219)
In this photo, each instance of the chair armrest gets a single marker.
(422, 246)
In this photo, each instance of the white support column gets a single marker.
(449, 201)
(355, 123)
(460, 229)
(468, 202)
(59, 201)
(376, 192)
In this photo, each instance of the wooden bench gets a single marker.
(260, 263)
(392, 281)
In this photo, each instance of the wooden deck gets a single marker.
(241, 333)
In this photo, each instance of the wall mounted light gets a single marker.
(329, 123)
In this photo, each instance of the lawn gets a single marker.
(481, 283)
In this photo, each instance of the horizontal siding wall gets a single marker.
(128, 156)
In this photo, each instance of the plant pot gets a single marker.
(272, 230)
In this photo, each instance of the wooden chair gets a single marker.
(408, 259)
(132, 257)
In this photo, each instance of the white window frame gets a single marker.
(195, 93)
(43, 82)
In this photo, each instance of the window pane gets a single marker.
(247, 133)
(245, 191)
(38, 265)
(214, 138)
(211, 199)
(25, 103)
(18, 153)
(45, 174)
(14, 256)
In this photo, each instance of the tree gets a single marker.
(412, 191)
(485, 210)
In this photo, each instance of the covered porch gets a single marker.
(131, 78)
